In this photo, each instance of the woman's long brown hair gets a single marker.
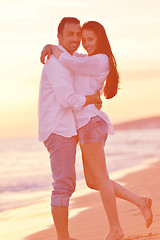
(103, 46)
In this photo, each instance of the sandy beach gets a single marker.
(92, 223)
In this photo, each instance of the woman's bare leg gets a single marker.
(93, 153)
(144, 204)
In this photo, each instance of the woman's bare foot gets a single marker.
(147, 211)
(115, 235)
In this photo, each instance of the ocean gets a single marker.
(25, 177)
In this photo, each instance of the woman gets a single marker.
(93, 125)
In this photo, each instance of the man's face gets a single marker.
(71, 37)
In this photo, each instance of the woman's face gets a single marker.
(89, 41)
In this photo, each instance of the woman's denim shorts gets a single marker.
(96, 130)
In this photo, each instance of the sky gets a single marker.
(133, 29)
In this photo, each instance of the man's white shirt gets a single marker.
(57, 100)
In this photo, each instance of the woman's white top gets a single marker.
(90, 73)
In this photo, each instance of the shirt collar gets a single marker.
(63, 49)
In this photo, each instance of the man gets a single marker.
(57, 128)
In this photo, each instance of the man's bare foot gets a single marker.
(147, 211)
(116, 235)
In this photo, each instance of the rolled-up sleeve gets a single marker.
(86, 65)
(62, 84)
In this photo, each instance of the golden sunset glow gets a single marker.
(26, 26)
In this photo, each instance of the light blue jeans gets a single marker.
(62, 152)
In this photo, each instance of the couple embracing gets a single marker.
(69, 112)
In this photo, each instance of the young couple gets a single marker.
(69, 104)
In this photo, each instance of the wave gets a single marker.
(19, 187)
